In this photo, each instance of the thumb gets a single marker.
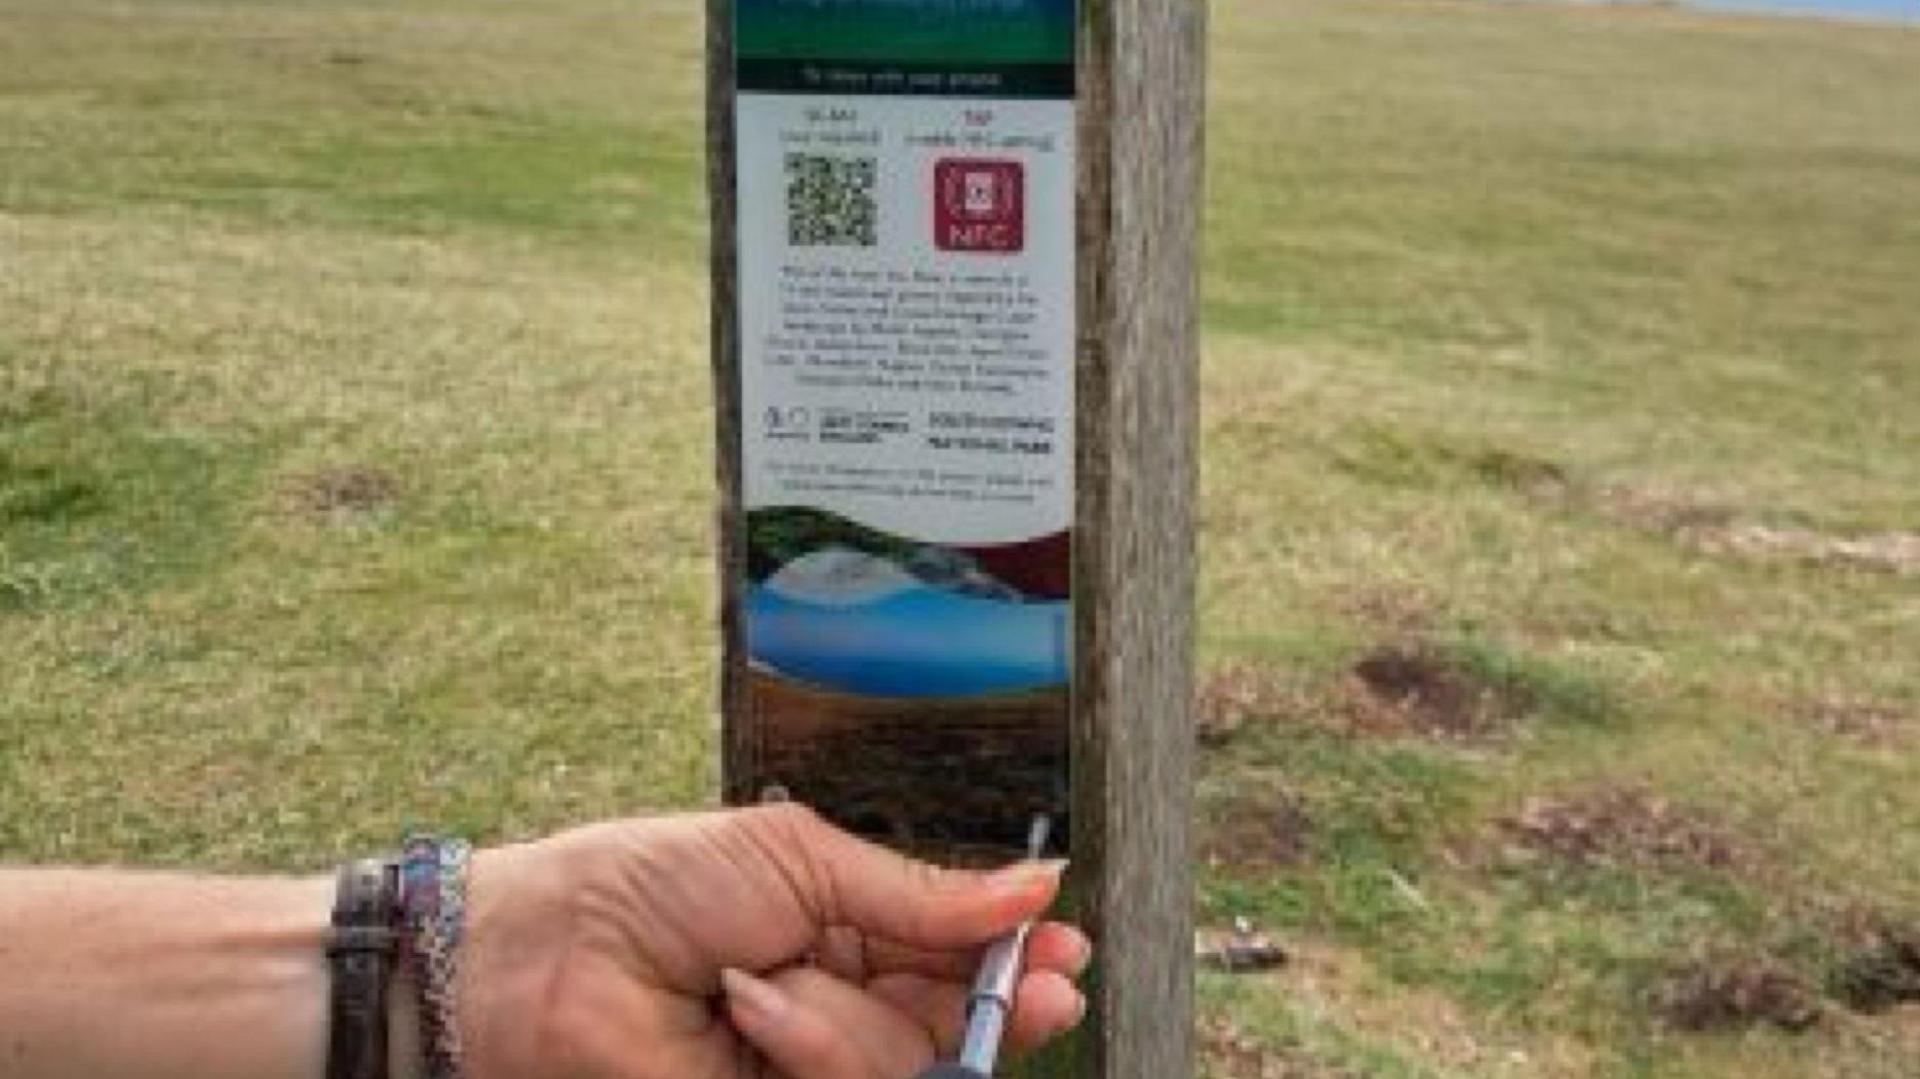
(882, 892)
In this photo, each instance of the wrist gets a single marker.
(264, 947)
(284, 925)
(518, 914)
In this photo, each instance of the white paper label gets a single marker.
(906, 275)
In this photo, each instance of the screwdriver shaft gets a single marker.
(991, 1001)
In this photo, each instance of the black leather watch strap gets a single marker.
(360, 956)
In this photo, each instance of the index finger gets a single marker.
(841, 879)
(1055, 946)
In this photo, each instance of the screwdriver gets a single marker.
(991, 1001)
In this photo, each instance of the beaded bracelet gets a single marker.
(433, 908)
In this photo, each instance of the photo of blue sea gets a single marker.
(850, 622)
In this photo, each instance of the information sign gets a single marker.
(905, 177)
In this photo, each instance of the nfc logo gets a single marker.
(979, 206)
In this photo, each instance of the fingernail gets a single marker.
(754, 1000)
(1081, 959)
(1025, 876)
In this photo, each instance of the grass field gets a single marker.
(1561, 585)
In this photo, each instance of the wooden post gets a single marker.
(1141, 123)
(1137, 88)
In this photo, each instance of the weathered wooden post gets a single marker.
(954, 276)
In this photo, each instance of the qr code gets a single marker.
(830, 201)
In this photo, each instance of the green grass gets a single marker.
(1500, 301)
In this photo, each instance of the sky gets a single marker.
(1905, 10)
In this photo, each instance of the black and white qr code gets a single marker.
(830, 201)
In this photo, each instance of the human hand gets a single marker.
(756, 943)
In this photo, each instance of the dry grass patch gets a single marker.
(1228, 1051)
(1344, 1018)
(1257, 835)
(1400, 611)
(1718, 529)
(1868, 722)
(1231, 697)
(1620, 826)
(1888, 552)
(1660, 510)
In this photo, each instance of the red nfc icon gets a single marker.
(979, 205)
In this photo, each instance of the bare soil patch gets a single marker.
(1735, 992)
(1249, 834)
(1418, 688)
(337, 495)
(1881, 970)
(1620, 826)
(1403, 687)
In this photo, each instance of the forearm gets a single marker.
(108, 974)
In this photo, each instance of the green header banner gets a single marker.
(993, 48)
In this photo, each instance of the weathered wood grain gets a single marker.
(1141, 91)
(740, 765)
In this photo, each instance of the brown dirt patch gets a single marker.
(342, 494)
(1406, 687)
(1231, 697)
(1620, 826)
(1881, 970)
(1735, 992)
(1418, 688)
(1257, 834)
